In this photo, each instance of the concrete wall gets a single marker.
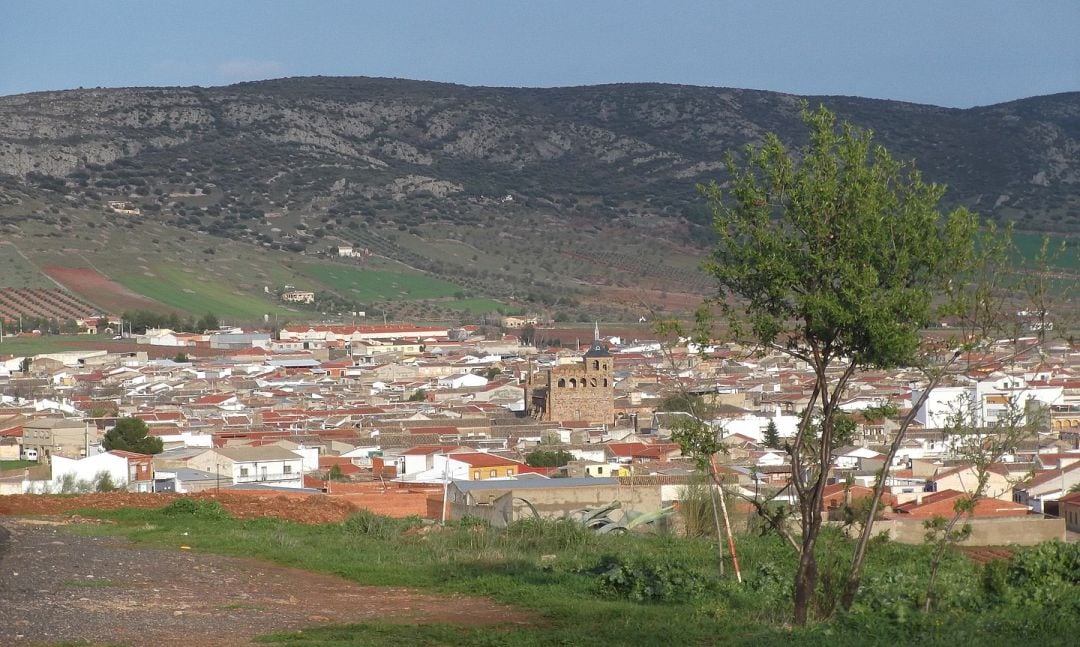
(1018, 531)
(497, 507)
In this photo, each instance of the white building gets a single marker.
(983, 402)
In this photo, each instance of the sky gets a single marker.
(955, 53)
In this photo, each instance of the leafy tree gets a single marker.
(771, 437)
(132, 435)
(209, 321)
(419, 395)
(493, 372)
(180, 358)
(833, 257)
(527, 334)
(548, 458)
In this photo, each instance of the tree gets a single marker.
(771, 437)
(982, 447)
(132, 435)
(527, 334)
(208, 321)
(832, 257)
(548, 458)
(419, 395)
(180, 358)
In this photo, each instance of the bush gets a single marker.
(653, 579)
(369, 524)
(198, 508)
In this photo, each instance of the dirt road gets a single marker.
(57, 586)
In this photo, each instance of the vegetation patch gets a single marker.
(634, 589)
(379, 285)
(195, 294)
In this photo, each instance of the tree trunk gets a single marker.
(805, 580)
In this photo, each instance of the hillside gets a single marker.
(577, 199)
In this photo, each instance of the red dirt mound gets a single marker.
(303, 509)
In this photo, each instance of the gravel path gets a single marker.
(56, 586)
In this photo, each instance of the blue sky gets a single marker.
(947, 52)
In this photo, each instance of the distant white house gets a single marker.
(298, 296)
(462, 381)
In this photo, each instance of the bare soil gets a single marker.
(59, 586)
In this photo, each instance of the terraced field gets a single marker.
(50, 303)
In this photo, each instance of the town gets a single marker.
(474, 422)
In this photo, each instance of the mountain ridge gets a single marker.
(448, 177)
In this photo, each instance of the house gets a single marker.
(999, 481)
(1047, 486)
(478, 466)
(943, 504)
(421, 458)
(267, 465)
(1069, 510)
(125, 470)
(837, 495)
(463, 381)
(65, 437)
(465, 466)
(298, 296)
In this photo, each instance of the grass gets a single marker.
(17, 272)
(474, 306)
(1068, 260)
(662, 589)
(14, 465)
(194, 292)
(20, 346)
(378, 285)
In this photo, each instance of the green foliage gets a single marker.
(418, 395)
(369, 524)
(208, 321)
(205, 509)
(548, 458)
(838, 253)
(771, 437)
(103, 482)
(654, 579)
(132, 435)
(334, 473)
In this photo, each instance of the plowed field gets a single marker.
(101, 291)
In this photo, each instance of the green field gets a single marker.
(1064, 250)
(21, 346)
(378, 285)
(16, 272)
(195, 293)
(474, 306)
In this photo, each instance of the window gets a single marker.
(599, 469)
(562, 382)
(509, 472)
(596, 365)
(288, 469)
(494, 473)
(476, 475)
(592, 382)
(243, 471)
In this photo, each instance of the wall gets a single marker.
(1019, 531)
